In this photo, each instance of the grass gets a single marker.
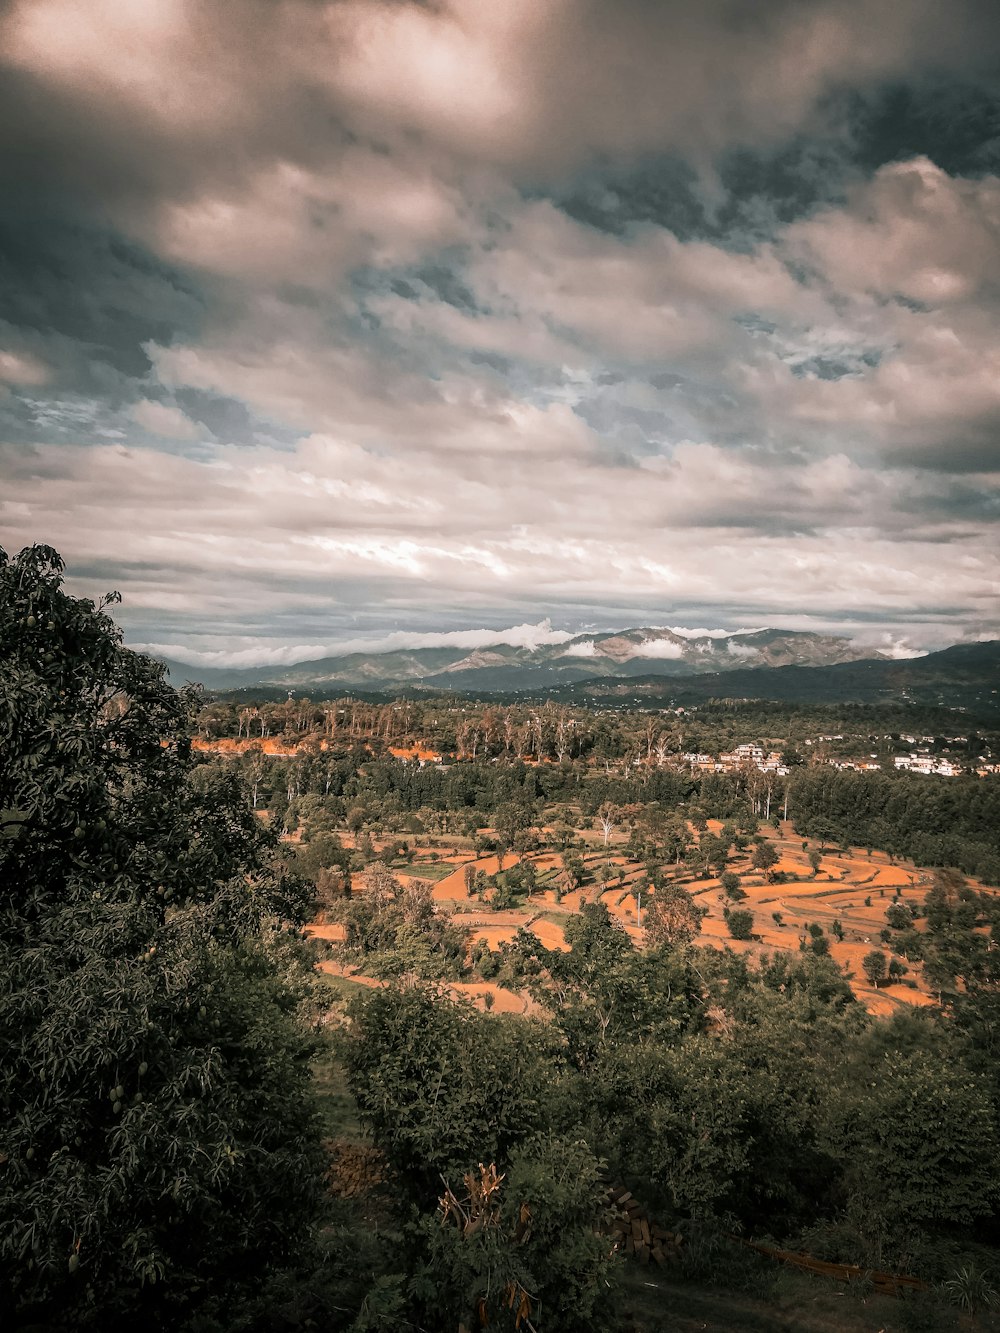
(429, 870)
(340, 988)
(337, 1106)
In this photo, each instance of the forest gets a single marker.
(180, 1072)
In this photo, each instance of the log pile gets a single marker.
(886, 1284)
(354, 1169)
(633, 1233)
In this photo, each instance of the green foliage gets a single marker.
(440, 1085)
(672, 916)
(899, 916)
(398, 930)
(740, 923)
(918, 1137)
(677, 1117)
(159, 1139)
(952, 823)
(765, 857)
(536, 1246)
(972, 1290)
(874, 966)
(730, 882)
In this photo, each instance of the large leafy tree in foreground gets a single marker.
(157, 1142)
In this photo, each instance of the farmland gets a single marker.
(846, 897)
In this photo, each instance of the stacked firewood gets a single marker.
(354, 1170)
(633, 1232)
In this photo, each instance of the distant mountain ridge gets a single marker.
(622, 654)
(965, 676)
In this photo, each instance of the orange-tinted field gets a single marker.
(852, 889)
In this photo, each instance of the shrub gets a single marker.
(740, 923)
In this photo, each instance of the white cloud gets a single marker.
(164, 420)
(585, 648)
(683, 426)
(22, 368)
(311, 534)
(891, 645)
(662, 649)
(708, 633)
(263, 653)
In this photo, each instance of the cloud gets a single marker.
(659, 648)
(585, 648)
(338, 251)
(164, 420)
(328, 530)
(261, 653)
(22, 369)
(708, 633)
(900, 649)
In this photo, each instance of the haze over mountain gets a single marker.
(505, 666)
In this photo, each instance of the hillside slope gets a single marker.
(966, 676)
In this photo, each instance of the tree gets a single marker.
(764, 858)
(521, 1245)
(740, 923)
(399, 929)
(442, 1086)
(607, 817)
(875, 967)
(919, 1141)
(899, 916)
(730, 882)
(160, 1143)
(509, 820)
(672, 916)
(573, 869)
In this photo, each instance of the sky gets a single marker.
(328, 322)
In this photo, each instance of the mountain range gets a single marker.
(503, 667)
(965, 676)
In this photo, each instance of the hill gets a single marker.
(625, 654)
(965, 676)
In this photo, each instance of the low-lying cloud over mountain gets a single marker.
(531, 662)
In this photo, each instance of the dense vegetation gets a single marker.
(948, 823)
(158, 1143)
(161, 1152)
(951, 822)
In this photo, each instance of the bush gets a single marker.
(740, 923)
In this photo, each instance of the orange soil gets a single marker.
(271, 745)
(331, 931)
(504, 1001)
(452, 887)
(837, 892)
(414, 752)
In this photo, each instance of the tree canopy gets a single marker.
(158, 1143)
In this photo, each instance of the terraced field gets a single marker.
(851, 888)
